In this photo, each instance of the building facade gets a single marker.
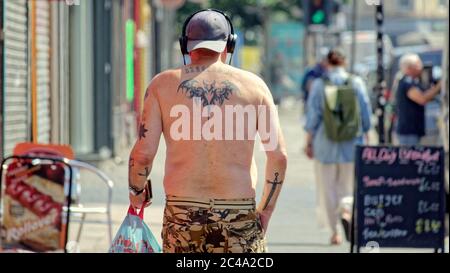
(71, 76)
(430, 9)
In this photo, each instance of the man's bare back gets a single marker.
(197, 166)
(209, 114)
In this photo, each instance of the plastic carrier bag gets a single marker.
(134, 236)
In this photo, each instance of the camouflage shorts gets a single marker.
(212, 226)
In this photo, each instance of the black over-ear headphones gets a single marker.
(231, 40)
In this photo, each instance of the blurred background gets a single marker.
(75, 71)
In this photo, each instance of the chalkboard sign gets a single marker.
(399, 197)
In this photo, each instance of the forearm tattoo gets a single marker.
(142, 131)
(146, 174)
(275, 183)
(130, 166)
(209, 92)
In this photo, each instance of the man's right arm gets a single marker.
(423, 98)
(276, 164)
(146, 146)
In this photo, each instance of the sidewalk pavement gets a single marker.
(293, 227)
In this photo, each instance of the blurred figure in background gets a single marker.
(311, 74)
(333, 150)
(411, 99)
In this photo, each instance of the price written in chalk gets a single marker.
(426, 207)
(426, 186)
(424, 226)
(425, 168)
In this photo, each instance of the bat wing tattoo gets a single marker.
(192, 90)
(208, 93)
(219, 95)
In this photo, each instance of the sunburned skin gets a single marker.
(198, 168)
(205, 168)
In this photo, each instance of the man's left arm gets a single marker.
(276, 164)
(145, 148)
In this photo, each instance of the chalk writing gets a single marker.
(384, 155)
(400, 196)
(384, 234)
(426, 207)
(382, 200)
(408, 154)
(428, 226)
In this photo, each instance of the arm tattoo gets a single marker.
(274, 183)
(209, 93)
(146, 174)
(142, 131)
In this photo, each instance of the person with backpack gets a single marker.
(338, 117)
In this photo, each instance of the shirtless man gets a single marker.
(209, 181)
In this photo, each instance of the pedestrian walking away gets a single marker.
(210, 172)
(338, 116)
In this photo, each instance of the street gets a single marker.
(293, 227)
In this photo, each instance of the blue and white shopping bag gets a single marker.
(134, 236)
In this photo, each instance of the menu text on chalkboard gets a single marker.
(399, 197)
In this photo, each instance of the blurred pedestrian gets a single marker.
(209, 181)
(339, 113)
(411, 99)
(312, 73)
